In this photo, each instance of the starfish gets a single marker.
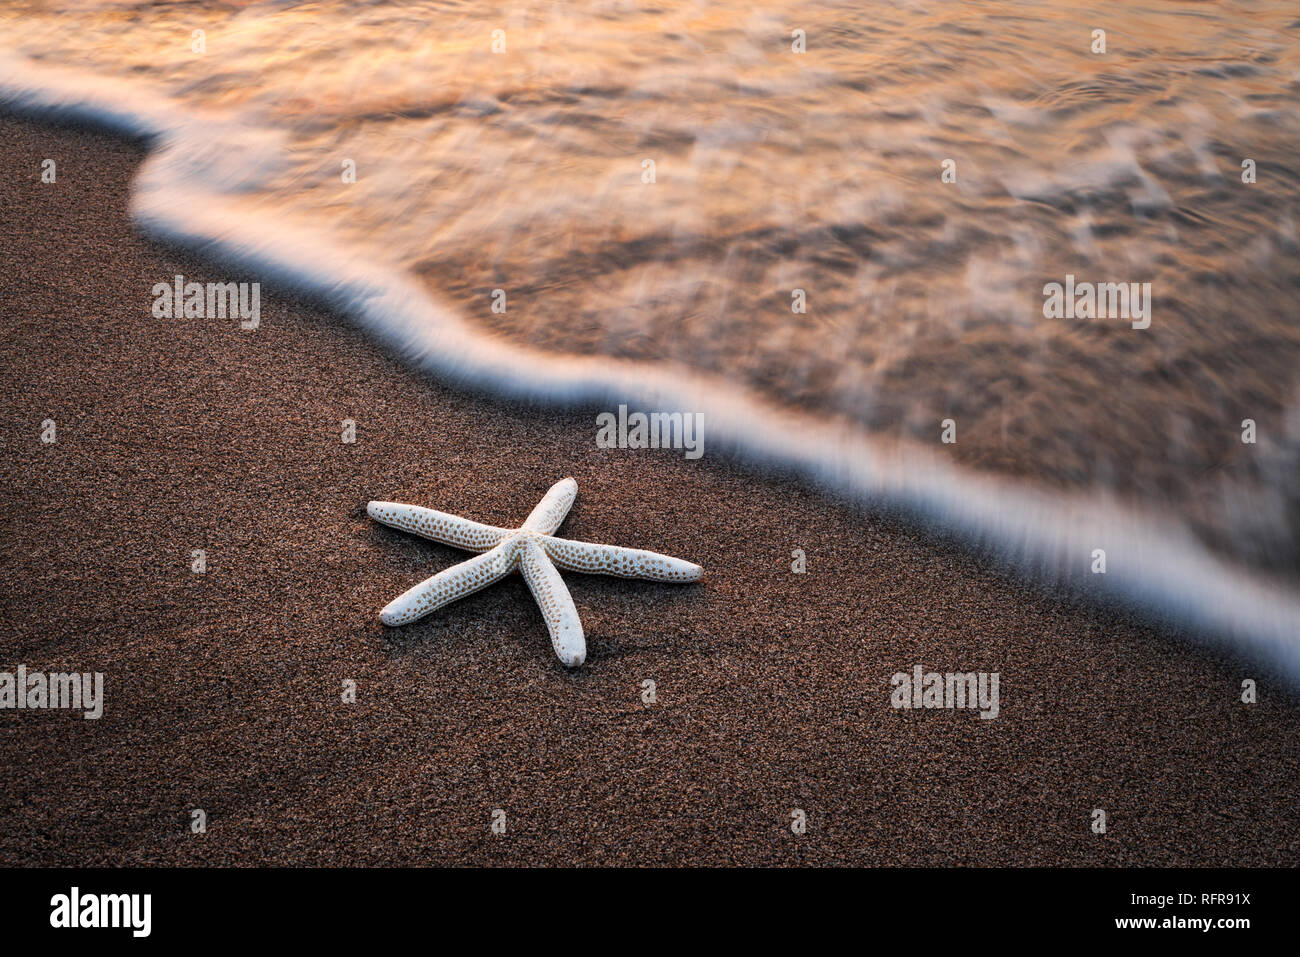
(531, 549)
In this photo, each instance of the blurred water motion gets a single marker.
(775, 171)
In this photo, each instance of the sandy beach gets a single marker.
(772, 689)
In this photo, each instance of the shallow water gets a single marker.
(524, 170)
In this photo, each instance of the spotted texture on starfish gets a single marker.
(546, 517)
(442, 589)
(557, 606)
(530, 549)
(620, 562)
(439, 526)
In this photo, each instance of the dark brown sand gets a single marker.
(223, 689)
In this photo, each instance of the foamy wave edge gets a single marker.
(1154, 566)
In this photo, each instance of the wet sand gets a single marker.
(772, 688)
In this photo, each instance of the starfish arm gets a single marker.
(446, 586)
(557, 607)
(550, 511)
(596, 559)
(438, 526)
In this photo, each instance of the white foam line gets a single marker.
(1152, 564)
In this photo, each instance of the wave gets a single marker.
(187, 193)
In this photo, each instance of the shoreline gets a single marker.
(222, 689)
(1159, 570)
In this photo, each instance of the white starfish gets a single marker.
(531, 549)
